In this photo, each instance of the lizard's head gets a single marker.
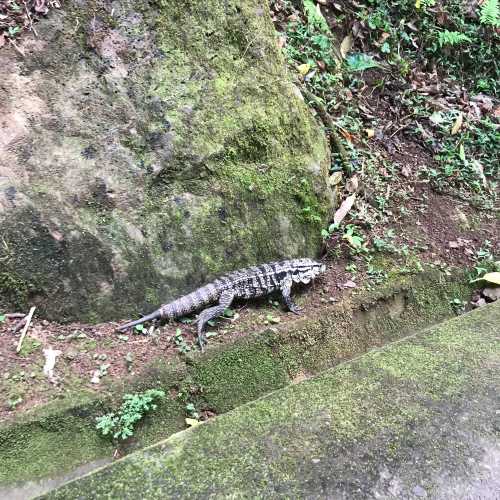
(306, 270)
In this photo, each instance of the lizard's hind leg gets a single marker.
(212, 312)
(286, 290)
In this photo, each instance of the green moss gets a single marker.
(232, 377)
(29, 346)
(364, 407)
(13, 289)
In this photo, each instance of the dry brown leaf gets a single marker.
(335, 178)
(346, 46)
(406, 171)
(344, 208)
(352, 184)
(383, 38)
(346, 135)
(349, 284)
(458, 124)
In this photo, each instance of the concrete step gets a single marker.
(418, 418)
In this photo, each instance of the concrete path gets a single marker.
(417, 419)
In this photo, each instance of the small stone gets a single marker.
(492, 293)
(70, 354)
(419, 491)
(479, 303)
(315, 460)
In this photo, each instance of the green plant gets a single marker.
(191, 411)
(452, 38)
(182, 346)
(360, 62)
(121, 425)
(13, 31)
(354, 237)
(490, 13)
(458, 305)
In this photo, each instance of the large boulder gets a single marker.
(146, 147)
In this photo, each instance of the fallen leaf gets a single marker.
(453, 244)
(458, 124)
(349, 284)
(346, 46)
(335, 178)
(490, 278)
(346, 135)
(192, 422)
(50, 362)
(303, 69)
(344, 208)
(369, 132)
(437, 117)
(383, 38)
(352, 184)
(405, 171)
(96, 377)
(461, 153)
(480, 172)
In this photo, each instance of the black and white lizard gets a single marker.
(243, 284)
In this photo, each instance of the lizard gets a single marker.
(247, 283)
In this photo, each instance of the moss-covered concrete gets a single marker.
(147, 148)
(416, 419)
(226, 376)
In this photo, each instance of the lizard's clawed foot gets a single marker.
(202, 341)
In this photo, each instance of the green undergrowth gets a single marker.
(395, 49)
(62, 435)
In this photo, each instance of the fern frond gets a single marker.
(452, 38)
(490, 13)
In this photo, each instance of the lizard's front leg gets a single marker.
(213, 312)
(286, 289)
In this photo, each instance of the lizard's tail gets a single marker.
(154, 315)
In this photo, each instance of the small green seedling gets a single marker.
(121, 425)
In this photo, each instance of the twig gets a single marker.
(32, 28)
(19, 324)
(15, 315)
(26, 326)
(328, 122)
(16, 47)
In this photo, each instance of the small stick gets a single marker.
(19, 324)
(15, 315)
(26, 326)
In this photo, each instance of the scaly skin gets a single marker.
(243, 284)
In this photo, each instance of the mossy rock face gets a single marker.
(147, 148)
